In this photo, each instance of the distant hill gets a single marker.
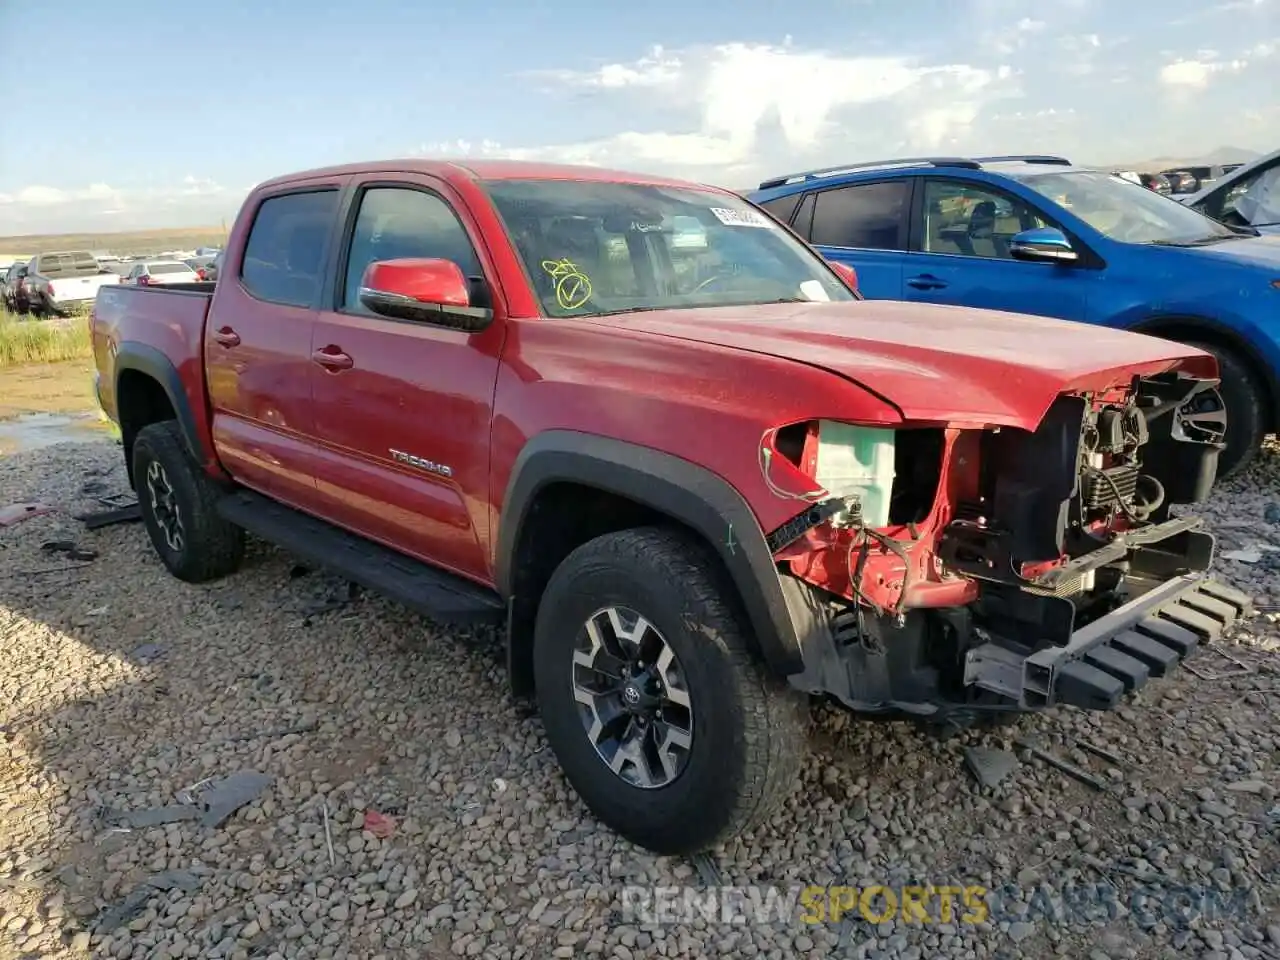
(132, 242)
(1220, 155)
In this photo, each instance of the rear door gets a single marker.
(258, 341)
(864, 225)
(960, 237)
(403, 408)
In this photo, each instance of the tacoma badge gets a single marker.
(422, 464)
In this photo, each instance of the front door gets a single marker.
(961, 236)
(257, 344)
(402, 408)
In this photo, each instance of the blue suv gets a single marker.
(1038, 235)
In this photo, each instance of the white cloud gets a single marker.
(1197, 73)
(743, 103)
(44, 209)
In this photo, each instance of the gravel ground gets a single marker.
(121, 687)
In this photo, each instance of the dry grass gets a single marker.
(133, 242)
(26, 341)
(65, 387)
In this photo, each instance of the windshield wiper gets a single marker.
(1197, 241)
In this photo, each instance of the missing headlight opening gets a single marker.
(936, 567)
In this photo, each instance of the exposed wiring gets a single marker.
(766, 462)
(863, 536)
(1115, 490)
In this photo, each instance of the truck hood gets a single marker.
(933, 362)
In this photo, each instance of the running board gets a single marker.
(420, 586)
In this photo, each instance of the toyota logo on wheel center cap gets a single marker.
(631, 694)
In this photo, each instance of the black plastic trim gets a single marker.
(132, 355)
(675, 487)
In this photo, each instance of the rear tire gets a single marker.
(746, 729)
(1243, 396)
(179, 508)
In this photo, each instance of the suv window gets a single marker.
(396, 222)
(284, 255)
(968, 220)
(868, 215)
(781, 208)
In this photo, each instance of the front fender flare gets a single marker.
(678, 488)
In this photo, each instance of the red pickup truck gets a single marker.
(696, 476)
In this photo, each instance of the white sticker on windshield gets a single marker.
(743, 218)
(814, 291)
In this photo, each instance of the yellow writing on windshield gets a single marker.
(573, 287)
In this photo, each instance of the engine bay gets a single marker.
(995, 538)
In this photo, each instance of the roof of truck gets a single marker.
(486, 170)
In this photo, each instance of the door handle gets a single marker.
(332, 358)
(926, 282)
(227, 337)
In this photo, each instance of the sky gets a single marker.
(145, 114)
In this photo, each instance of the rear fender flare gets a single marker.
(677, 488)
(145, 359)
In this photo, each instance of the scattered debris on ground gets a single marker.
(411, 809)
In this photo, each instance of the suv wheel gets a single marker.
(179, 508)
(1242, 395)
(663, 720)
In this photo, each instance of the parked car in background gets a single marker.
(1192, 180)
(59, 282)
(697, 477)
(200, 264)
(1249, 196)
(12, 292)
(154, 272)
(1037, 235)
(1157, 182)
(211, 271)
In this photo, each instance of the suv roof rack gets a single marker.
(1027, 158)
(870, 165)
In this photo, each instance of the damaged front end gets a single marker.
(998, 569)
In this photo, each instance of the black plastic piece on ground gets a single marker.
(107, 518)
(1132, 672)
(1236, 598)
(436, 593)
(1170, 634)
(1208, 627)
(1083, 685)
(1158, 657)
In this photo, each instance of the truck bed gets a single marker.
(139, 327)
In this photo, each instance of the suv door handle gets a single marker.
(227, 337)
(926, 281)
(332, 358)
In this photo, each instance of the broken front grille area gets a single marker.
(1112, 487)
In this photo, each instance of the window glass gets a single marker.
(964, 219)
(170, 268)
(1255, 200)
(594, 247)
(397, 222)
(868, 215)
(284, 255)
(1113, 208)
(783, 207)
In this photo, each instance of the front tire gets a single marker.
(697, 743)
(179, 508)
(1243, 396)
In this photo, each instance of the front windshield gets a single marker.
(1122, 211)
(593, 248)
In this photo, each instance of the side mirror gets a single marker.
(1043, 244)
(847, 274)
(426, 290)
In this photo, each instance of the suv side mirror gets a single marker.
(426, 290)
(846, 273)
(1043, 244)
